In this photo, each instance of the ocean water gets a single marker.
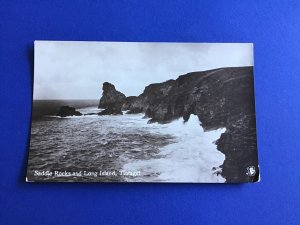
(122, 148)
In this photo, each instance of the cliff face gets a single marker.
(220, 98)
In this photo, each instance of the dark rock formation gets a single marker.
(135, 110)
(111, 111)
(89, 114)
(220, 98)
(110, 96)
(67, 111)
(111, 100)
(129, 101)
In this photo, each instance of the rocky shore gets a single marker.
(220, 98)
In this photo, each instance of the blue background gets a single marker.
(273, 26)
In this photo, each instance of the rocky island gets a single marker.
(221, 98)
(67, 111)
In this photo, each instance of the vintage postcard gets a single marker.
(143, 112)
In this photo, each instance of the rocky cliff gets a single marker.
(220, 98)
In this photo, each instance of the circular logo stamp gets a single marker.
(251, 171)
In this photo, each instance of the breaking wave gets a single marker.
(189, 159)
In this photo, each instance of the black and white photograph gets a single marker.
(143, 112)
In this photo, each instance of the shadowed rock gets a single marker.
(111, 100)
(89, 114)
(67, 111)
(111, 96)
(135, 111)
(111, 111)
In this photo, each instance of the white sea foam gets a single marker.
(66, 117)
(190, 159)
(89, 110)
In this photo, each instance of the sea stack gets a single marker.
(111, 100)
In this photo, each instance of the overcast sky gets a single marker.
(76, 70)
